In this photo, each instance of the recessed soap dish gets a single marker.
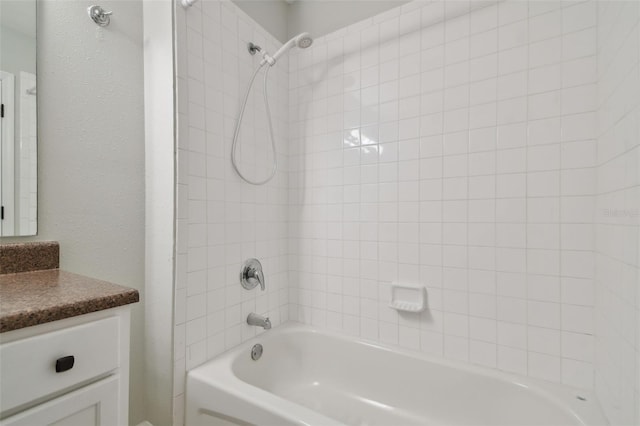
(408, 297)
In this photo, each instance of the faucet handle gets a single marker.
(255, 274)
(258, 275)
(252, 275)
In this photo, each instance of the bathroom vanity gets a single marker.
(64, 349)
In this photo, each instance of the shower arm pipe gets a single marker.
(236, 132)
(187, 3)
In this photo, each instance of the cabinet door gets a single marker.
(96, 404)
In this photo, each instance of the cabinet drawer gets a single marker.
(28, 366)
(96, 404)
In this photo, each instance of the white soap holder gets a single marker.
(408, 297)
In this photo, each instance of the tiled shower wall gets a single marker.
(458, 154)
(221, 220)
(472, 154)
(617, 216)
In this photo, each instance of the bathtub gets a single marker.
(311, 377)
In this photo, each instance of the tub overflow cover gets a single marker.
(256, 352)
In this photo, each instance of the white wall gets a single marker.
(459, 155)
(91, 150)
(159, 210)
(221, 221)
(18, 36)
(18, 52)
(618, 212)
(270, 14)
(322, 17)
(283, 20)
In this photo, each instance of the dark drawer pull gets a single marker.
(65, 363)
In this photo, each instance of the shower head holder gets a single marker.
(253, 48)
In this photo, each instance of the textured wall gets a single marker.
(618, 212)
(458, 155)
(91, 150)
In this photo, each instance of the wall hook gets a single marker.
(99, 15)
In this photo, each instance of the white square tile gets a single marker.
(545, 52)
(483, 67)
(578, 291)
(545, 105)
(541, 158)
(543, 236)
(544, 341)
(577, 319)
(543, 184)
(512, 335)
(544, 366)
(546, 78)
(509, 12)
(578, 374)
(544, 314)
(579, 99)
(483, 353)
(579, 44)
(578, 181)
(545, 26)
(579, 16)
(512, 35)
(512, 85)
(513, 60)
(512, 111)
(578, 346)
(483, 44)
(432, 343)
(512, 360)
(456, 51)
(579, 71)
(511, 160)
(456, 348)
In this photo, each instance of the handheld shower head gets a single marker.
(302, 40)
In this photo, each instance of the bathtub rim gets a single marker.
(224, 378)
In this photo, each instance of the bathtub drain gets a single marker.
(256, 352)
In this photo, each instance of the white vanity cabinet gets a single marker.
(73, 371)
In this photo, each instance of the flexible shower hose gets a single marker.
(236, 132)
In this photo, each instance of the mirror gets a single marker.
(18, 131)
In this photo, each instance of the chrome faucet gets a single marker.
(259, 321)
(251, 274)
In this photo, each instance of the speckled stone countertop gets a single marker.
(31, 256)
(32, 298)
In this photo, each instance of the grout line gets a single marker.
(468, 132)
(442, 165)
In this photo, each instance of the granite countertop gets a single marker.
(32, 298)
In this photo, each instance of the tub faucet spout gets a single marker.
(259, 320)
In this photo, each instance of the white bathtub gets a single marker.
(311, 377)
